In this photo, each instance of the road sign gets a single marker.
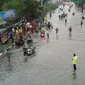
(77, 1)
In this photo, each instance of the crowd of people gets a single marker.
(21, 31)
(28, 28)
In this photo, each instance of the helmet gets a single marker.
(42, 28)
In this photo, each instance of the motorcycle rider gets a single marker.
(50, 25)
(42, 32)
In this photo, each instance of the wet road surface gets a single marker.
(52, 63)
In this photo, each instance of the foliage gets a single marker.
(29, 8)
(2, 2)
(33, 8)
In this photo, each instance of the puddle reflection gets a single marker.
(74, 75)
(70, 36)
(57, 37)
(9, 67)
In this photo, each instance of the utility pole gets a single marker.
(82, 5)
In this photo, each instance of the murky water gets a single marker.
(52, 62)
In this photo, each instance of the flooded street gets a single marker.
(52, 62)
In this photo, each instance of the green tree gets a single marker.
(30, 8)
(2, 2)
(33, 8)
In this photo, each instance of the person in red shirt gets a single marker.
(20, 37)
(34, 24)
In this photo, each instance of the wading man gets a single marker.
(74, 61)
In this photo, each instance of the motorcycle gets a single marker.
(49, 25)
(30, 51)
(42, 34)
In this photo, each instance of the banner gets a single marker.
(2, 14)
(7, 15)
(10, 15)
